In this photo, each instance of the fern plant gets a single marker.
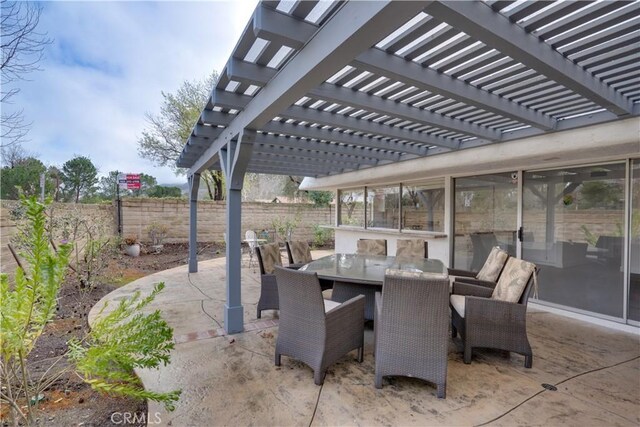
(122, 340)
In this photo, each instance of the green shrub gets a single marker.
(321, 198)
(321, 235)
(27, 307)
(119, 342)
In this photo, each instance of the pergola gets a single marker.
(323, 88)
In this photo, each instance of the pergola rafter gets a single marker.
(483, 24)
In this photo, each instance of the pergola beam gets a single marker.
(283, 171)
(250, 73)
(269, 24)
(313, 149)
(357, 143)
(267, 156)
(225, 99)
(352, 123)
(424, 78)
(356, 27)
(213, 118)
(298, 170)
(376, 104)
(206, 131)
(311, 154)
(482, 23)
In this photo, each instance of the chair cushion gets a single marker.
(372, 247)
(270, 257)
(513, 280)
(457, 302)
(300, 252)
(330, 305)
(410, 248)
(493, 265)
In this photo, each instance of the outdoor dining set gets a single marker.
(410, 299)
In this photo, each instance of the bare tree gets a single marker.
(162, 141)
(22, 50)
(12, 155)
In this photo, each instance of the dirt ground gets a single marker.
(69, 401)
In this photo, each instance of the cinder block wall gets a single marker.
(97, 212)
(137, 214)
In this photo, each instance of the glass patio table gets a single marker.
(363, 274)
(369, 269)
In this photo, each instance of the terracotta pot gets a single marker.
(132, 250)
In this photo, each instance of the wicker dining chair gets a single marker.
(313, 330)
(299, 255)
(372, 247)
(488, 274)
(411, 328)
(298, 252)
(495, 317)
(268, 258)
(412, 248)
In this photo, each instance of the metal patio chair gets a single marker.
(252, 242)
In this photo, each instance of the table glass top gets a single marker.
(370, 268)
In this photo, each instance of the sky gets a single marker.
(106, 68)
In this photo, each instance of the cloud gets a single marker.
(107, 66)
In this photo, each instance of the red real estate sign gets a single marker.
(129, 181)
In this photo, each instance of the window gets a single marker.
(423, 207)
(383, 207)
(351, 207)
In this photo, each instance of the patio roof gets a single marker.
(323, 88)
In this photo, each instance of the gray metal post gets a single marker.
(234, 159)
(233, 311)
(194, 183)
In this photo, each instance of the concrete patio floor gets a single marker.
(232, 380)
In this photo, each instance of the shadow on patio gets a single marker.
(232, 379)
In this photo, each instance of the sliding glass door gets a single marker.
(634, 248)
(573, 222)
(485, 215)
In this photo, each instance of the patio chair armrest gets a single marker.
(487, 310)
(462, 288)
(297, 266)
(348, 314)
(477, 282)
(461, 273)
